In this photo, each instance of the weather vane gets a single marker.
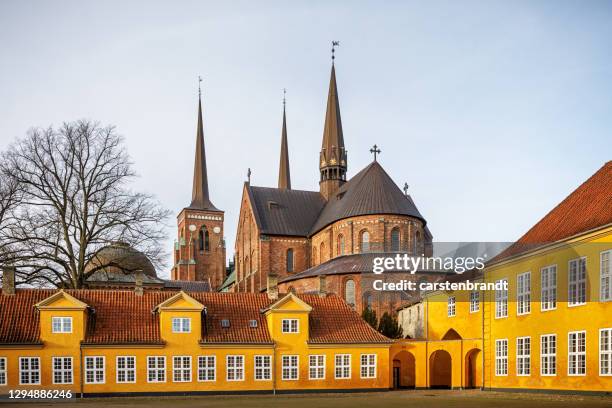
(406, 189)
(375, 150)
(249, 175)
(334, 45)
(284, 96)
(199, 87)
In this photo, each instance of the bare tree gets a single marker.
(10, 196)
(76, 200)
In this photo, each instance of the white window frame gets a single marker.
(523, 356)
(234, 368)
(605, 276)
(501, 300)
(61, 324)
(290, 326)
(290, 367)
(474, 301)
(451, 306)
(523, 293)
(501, 358)
(62, 370)
(207, 372)
(262, 367)
(181, 325)
(95, 369)
(605, 352)
(3, 371)
(183, 367)
(548, 288)
(370, 366)
(156, 369)
(548, 354)
(342, 367)
(579, 285)
(29, 371)
(316, 365)
(578, 355)
(126, 370)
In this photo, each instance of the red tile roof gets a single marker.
(587, 208)
(121, 317)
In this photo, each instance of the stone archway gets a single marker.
(440, 370)
(404, 370)
(473, 368)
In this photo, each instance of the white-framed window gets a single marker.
(29, 370)
(577, 282)
(181, 325)
(126, 369)
(290, 366)
(94, 370)
(576, 353)
(501, 357)
(548, 294)
(548, 354)
(207, 368)
(61, 324)
(368, 366)
(234, 368)
(523, 293)
(343, 366)
(62, 370)
(263, 368)
(156, 369)
(451, 306)
(605, 351)
(290, 326)
(3, 376)
(181, 368)
(474, 301)
(316, 367)
(605, 276)
(501, 299)
(523, 356)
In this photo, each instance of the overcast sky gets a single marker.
(493, 112)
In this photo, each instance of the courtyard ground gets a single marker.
(404, 399)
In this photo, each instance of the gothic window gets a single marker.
(349, 292)
(367, 300)
(206, 240)
(322, 252)
(365, 241)
(395, 239)
(201, 240)
(340, 245)
(417, 243)
(290, 260)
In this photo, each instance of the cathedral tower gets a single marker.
(199, 252)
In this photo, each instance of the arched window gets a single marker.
(340, 245)
(206, 240)
(201, 240)
(417, 243)
(367, 300)
(349, 292)
(322, 252)
(365, 241)
(395, 239)
(290, 260)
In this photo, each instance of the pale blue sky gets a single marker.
(492, 111)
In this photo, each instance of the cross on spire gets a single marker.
(284, 96)
(405, 189)
(375, 150)
(334, 45)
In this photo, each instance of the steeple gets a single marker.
(199, 195)
(333, 160)
(284, 175)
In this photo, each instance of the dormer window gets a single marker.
(181, 325)
(225, 323)
(61, 324)
(290, 326)
(253, 323)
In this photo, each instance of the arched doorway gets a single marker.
(473, 369)
(404, 370)
(440, 370)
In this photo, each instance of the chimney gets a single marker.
(8, 280)
(322, 286)
(272, 286)
(138, 279)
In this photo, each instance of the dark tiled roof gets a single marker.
(187, 286)
(371, 191)
(122, 317)
(285, 212)
(229, 281)
(586, 208)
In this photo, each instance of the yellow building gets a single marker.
(103, 342)
(550, 330)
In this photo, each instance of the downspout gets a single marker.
(484, 304)
(274, 369)
(81, 369)
(427, 342)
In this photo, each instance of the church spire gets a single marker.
(284, 175)
(199, 195)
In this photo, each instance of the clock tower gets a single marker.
(199, 251)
